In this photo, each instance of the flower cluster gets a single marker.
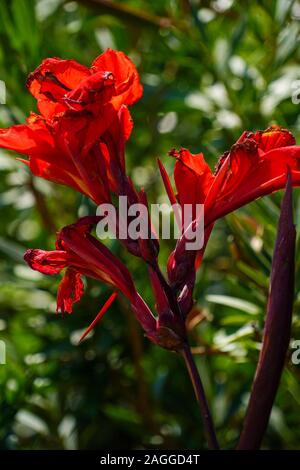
(78, 139)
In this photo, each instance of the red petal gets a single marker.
(95, 257)
(193, 177)
(70, 290)
(245, 175)
(274, 137)
(91, 93)
(31, 139)
(52, 80)
(128, 86)
(167, 182)
(46, 262)
(53, 172)
(111, 153)
(126, 122)
(121, 127)
(18, 138)
(99, 316)
(170, 192)
(95, 128)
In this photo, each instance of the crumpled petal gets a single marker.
(70, 291)
(52, 80)
(91, 93)
(46, 262)
(128, 86)
(272, 138)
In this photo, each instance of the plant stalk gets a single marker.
(201, 398)
(185, 352)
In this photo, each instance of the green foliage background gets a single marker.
(210, 69)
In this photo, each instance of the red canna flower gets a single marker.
(84, 122)
(60, 85)
(82, 254)
(255, 166)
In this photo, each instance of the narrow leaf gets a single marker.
(277, 329)
(99, 316)
(170, 192)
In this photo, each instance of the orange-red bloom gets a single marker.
(82, 254)
(255, 166)
(83, 119)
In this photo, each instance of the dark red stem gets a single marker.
(201, 398)
(191, 367)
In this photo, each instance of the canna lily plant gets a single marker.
(78, 139)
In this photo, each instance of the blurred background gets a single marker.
(210, 70)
